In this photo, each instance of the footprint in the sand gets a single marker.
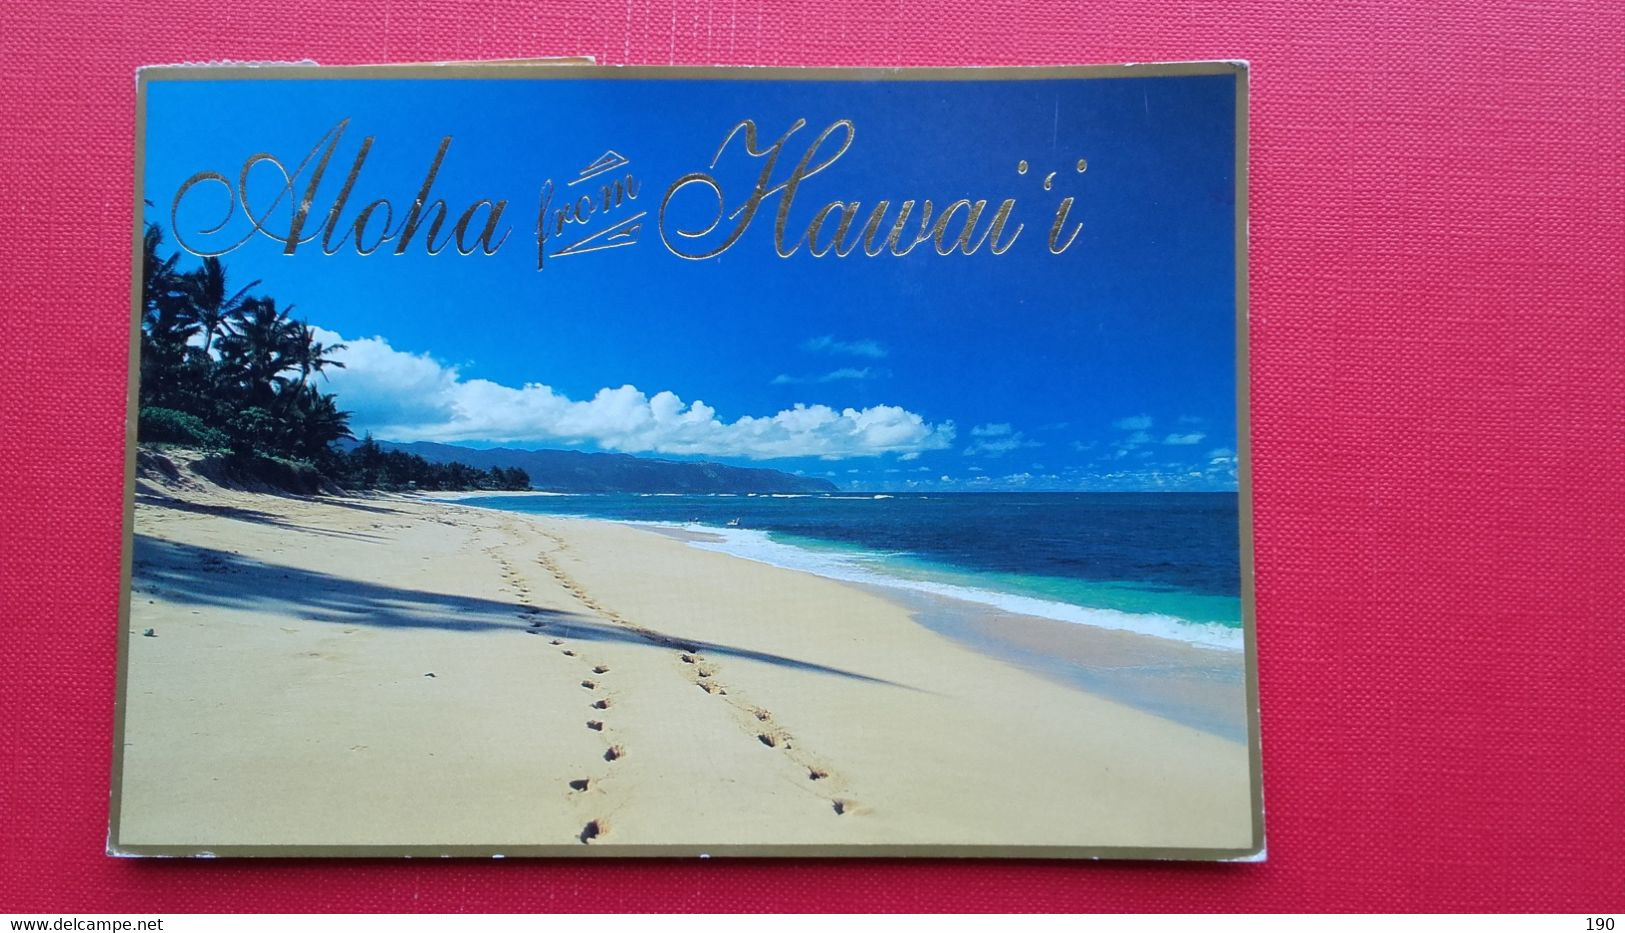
(704, 673)
(601, 704)
(780, 739)
(590, 685)
(568, 653)
(592, 830)
(614, 753)
(580, 783)
(600, 669)
(595, 725)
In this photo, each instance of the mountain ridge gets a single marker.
(581, 471)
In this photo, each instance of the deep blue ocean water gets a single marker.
(1165, 564)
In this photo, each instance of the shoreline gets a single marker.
(1190, 683)
(392, 671)
(1193, 685)
(837, 560)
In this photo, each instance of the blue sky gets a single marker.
(1109, 366)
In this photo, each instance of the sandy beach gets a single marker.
(393, 671)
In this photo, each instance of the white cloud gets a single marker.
(838, 375)
(1133, 423)
(1184, 440)
(996, 440)
(1135, 440)
(411, 396)
(828, 344)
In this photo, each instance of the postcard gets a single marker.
(566, 460)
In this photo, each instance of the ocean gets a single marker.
(1161, 564)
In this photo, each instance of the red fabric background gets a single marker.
(1438, 340)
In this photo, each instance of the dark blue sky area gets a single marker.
(1110, 366)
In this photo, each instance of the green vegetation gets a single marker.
(225, 370)
(370, 466)
(168, 426)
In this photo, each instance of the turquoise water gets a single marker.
(1164, 564)
(1120, 595)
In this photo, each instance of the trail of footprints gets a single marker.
(759, 722)
(613, 752)
(532, 615)
(753, 719)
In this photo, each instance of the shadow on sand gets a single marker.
(238, 513)
(199, 576)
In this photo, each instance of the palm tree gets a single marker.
(159, 280)
(165, 328)
(257, 346)
(163, 295)
(311, 421)
(310, 355)
(208, 304)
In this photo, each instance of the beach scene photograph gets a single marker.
(562, 462)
